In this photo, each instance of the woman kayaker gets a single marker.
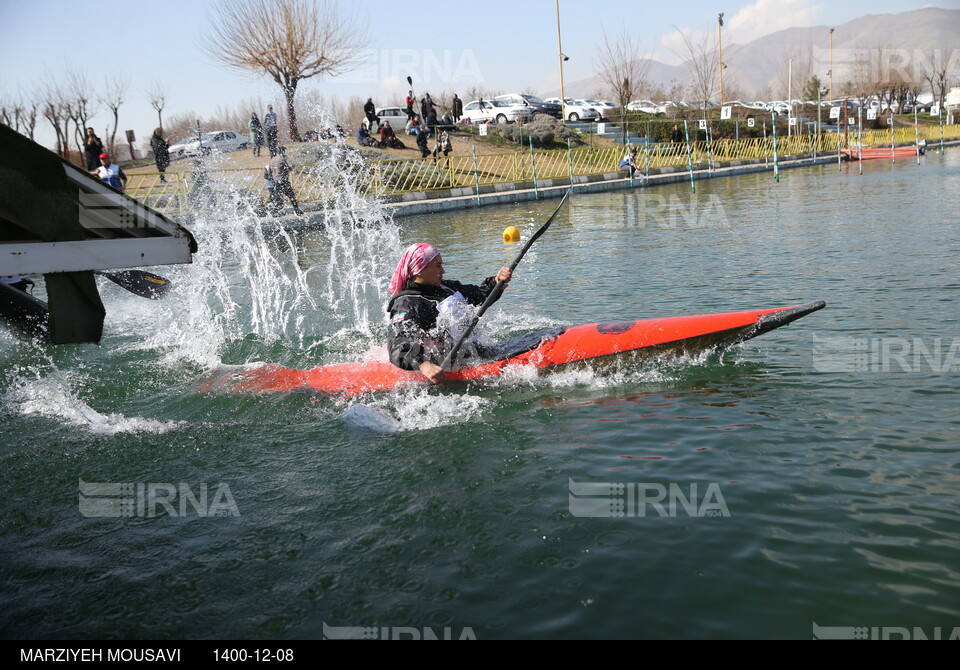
(420, 299)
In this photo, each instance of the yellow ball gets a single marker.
(511, 234)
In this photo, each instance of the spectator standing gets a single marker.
(161, 153)
(256, 134)
(370, 111)
(457, 108)
(426, 107)
(422, 145)
(431, 121)
(92, 148)
(280, 175)
(270, 128)
(409, 102)
(676, 135)
(444, 144)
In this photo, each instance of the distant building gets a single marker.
(952, 103)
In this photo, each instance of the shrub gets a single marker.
(544, 130)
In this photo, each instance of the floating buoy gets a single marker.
(511, 234)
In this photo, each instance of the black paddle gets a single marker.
(139, 282)
(498, 289)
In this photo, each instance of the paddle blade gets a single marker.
(139, 282)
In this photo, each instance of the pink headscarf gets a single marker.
(414, 260)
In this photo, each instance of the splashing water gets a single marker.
(288, 282)
(55, 396)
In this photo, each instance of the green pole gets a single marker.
(916, 129)
(766, 157)
(940, 118)
(709, 153)
(533, 163)
(646, 156)
(476, 174)
(630, 168)
(776, 157)
(860, 141)
(686, 133)
(570, 163)
(838, 141)
(893, 147)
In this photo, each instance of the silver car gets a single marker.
(496, 110)
(217, 141)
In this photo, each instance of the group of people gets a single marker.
(421, 126)
(267, 129)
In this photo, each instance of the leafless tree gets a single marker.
(114, 95)
(27, 108)
(702, 60)
(157, 95)
(81, 104)
(936, 74)
(624, 72)
(286, 40)
(56, 109)
(860, 81)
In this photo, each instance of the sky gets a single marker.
(503, 45)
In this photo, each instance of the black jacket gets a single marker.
(412, 337)
(161, 150)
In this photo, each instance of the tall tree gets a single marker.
(114, 95)
(158, 100)
(623, 71)
(701, 59)
(82, 108)
(56, 108)
(937, 75)
(286, 40)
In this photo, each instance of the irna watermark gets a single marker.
(395, 633)
(886, 66)
(140, 499)
(884, 633)
(426, 67)
(674, 211)
(588, 499)
(885, 354)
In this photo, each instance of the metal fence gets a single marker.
(405, 175)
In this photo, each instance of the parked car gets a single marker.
(496, 110)
(648, 106)
(532, 101)
(604, 107)
(577, 110)
(217, 141)
(397, 116)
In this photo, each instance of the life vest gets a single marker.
(110, 174)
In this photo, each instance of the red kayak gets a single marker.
(592, 343)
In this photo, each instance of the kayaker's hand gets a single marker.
(432, 372)
(505, 275)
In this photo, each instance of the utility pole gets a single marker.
(831, 65)
(563, 97)
(720, 45)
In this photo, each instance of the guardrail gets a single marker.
(405, 175)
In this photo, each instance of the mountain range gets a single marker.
(760, 68)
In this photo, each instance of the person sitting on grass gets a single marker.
(363, 137)
(388, 138)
